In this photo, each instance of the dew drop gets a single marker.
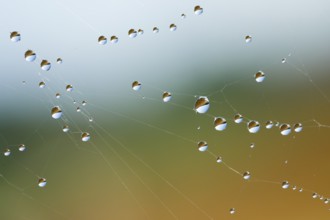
(56, 112)
(85, 137)
(198, 10)
(183, 16)
(30, 56)
(259, 76)
(136, 85)
(298, 127)
(58, 95)
(42, 182)
(140, 32)
(155, 30)
(238, 118)
(301, 190)
(15, 36)
(45, 65)
(202, 105)
(78, 109)
(202, 146)
(42, 85)
(65, 128)
(314, 195)
(220, 124)
(219, 159)
(269, 124)
(132, 33)
(59, 61)
(285, 185)
(285, 129)
(283, 60)
(232, 211)
(7, 152)
(114, 39)
(248, 39)
(253, 126)
(167, 96)
(102, 40)
(84, 103)
(173, 27)
(326, 201)
(252, 145)
(247, 175)
(22, 147)
(69, 88)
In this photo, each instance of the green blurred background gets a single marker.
(142, 161)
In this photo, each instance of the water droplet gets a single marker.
(247, 175)
(114, 39)
(285, 185)
(298, 127)
(69, 88)
(140, 32)
(259, 76)
(167, 96)
(90, 119)
(45, 65)
(172, 27)
(59, 61)
(252, 145)
(285, 129)
(283, 60)
(314, 195)
(56, 112)
(58, 95)
(136, 85)
(198, 10)
(202, 146)
(78, 109)
(248, 39)
(183, 16)
(85, 136)
(102, 40)
(238, 118)
(30, 56)
(84, 103)
(42, 85)
(219, 159)
(269, 124)
(7, 152)
(155, 30)
(65, 128)
(132, 33)
(326, 201)
(232, 211)
(253, 126)
(301, 190)
(22, 147)
(42, 182)
(202, 105)
(15, 36)
(220, 124)
(294, 187)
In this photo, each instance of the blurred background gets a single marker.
(142, 160)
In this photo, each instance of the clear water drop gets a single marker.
(253, 126)
(7, 152)
(298, 127)
(30, 56)
(132, 33)
(285, 129)
(202, 104)
(259, 76)
(42, 85)
(15, 36)
(59, 61)
(220, 124)
(173, 27)
(285, 185)
(85, 137)
(65, 128)
(247, 175)
(140, 32)
(69, 88)
(56, 112)
(167, 96)
(136, 85)
(155, 30)
(314, 195)
(22, 147)
(114, 39)
(83, 103)
(238, 118)
(198, 10)
(202, 146)
(248, 39)
(45, 65)
(58, 95)
(232, 211)
(183, 16)
(219, 159)
(102, 40)
(269, 124)
(42, 182)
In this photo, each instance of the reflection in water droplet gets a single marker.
(285, 129)
(238, 118)
(252, 145)
(59, 61)
(45, 65)
(85, 137)
(132, 33)
(155, 30)
(283, 60)
(202, 146)
(198, 10)
(298, 127)
(314, 195)
(219, 159)
(248, 39)
(285, 184)
(42, 85)
(58, 95)
(136, 85)
(7, 152)
(247, 175)
(259, 76)
(30, 56)
(56, 112)
(172, 27)
(202, 105)
(253, 126)
(269, 124)
(102, 40)
(183, 16)
(42, 182)
(84, 103)
(114, 39)
(220, 124)
(69, 88)
(78, 109)
(167, 96)
(22, 147)
(140, 32)
(15, 36)
(232, 211)
(65, 128)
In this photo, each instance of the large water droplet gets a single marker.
(173, 27)
(114, 39)
(285, 129)
(132, 33)
(298, 127)
(220, 124)
(85, 137)
(102, 40)
(56, 112)
(42, 182)
(248, 39)
(202, 105)
(167, 96)
(45, 65)
(198, 10)
(247, 175)
(259, 76)
(285, 184)
(202, 146)
(136, 85)
(30, 56)
(238, 118)
(253, 126)
(15, 36)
